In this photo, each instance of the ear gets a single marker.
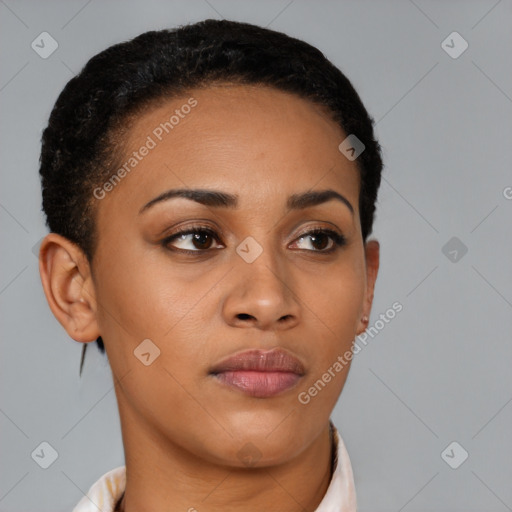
(68, 286)
(372, 251)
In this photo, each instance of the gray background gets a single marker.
(439, 372)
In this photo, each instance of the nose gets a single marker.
(262, 295)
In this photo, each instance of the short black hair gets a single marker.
(81, 146)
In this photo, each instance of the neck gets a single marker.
(191, 484)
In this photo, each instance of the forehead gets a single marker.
(257, 142)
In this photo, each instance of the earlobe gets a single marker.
(363, 324)
(67, 284)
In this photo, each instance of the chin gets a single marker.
(270, 442)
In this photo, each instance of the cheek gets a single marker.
(337, 297)
(336, 306)
(140, 289)
(142, 295)
(335, 303)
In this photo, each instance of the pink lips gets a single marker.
(259, 373)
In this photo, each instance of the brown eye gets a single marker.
(320, 240)
(191, 240)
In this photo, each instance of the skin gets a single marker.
(183, 431)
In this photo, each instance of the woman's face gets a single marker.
(252, 278)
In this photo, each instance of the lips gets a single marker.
(258, 373)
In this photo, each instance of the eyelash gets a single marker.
(338, 239)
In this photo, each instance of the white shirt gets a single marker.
(340, 496)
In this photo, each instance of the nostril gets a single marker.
(244, 316)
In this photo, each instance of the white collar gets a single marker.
(340, 496)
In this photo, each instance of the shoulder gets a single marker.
(104, 493)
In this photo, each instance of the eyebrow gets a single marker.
(218, 199)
